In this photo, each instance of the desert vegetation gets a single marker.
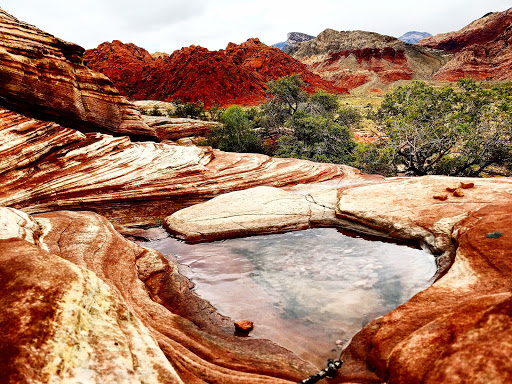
(463, 130)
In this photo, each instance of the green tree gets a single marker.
(284, 97)
(323, 103)
(441, 131)
(236, 134)
(316, 138)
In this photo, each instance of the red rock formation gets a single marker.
(234, 76)
(272, 64)
(102, 308)
(355, 58)
(482, 49)
(125, 64)
(45, 77)
(44, 166)
(459, 329)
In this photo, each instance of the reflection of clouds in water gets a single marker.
(315, 279)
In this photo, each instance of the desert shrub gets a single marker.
(316, 138)
(155, 111)
(323, 103)
(236, 134)
(188, 110)
(284, 97)
(349, 116)
(458, 132)
(216, 112)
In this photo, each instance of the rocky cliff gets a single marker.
(356, 58)
(236, 75)
(292, 40)
(45, 77)
(483, 49)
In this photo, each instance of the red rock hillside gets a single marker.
(483, 49)
(236, 75)
(357, 58)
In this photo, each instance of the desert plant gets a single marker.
(155, 111)
(236, 134)
(316, 138)
(443, 131)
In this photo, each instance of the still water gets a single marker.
(304, 290)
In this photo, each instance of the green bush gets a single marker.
(188, 110)
(457, 132)
(155, 111)
(316, 138)
(236, 134)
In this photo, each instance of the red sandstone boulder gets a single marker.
(81, 302)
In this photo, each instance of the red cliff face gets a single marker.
(236, 75)
(45, 77)
(482, 49)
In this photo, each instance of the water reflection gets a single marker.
(304, 290)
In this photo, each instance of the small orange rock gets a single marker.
(466, 185)
(244, 326)
(458, 193)
(441, 197)
(451, 189)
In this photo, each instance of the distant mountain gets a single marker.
(355, 58)
(293, 39)
(413, 37)
(483, 49)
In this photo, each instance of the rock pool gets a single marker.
(304, 290)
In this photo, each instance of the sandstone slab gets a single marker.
(84, 304)
(458, 330)
(46, 167)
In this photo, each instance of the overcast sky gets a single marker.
(168, 25)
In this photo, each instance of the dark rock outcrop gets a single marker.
(413, 37)
(293, 39)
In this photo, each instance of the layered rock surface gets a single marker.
(236, 75)
(357, 58)
(458, 330)
(45, 77)
(111, 311)
(483, 49)
(45, 166)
